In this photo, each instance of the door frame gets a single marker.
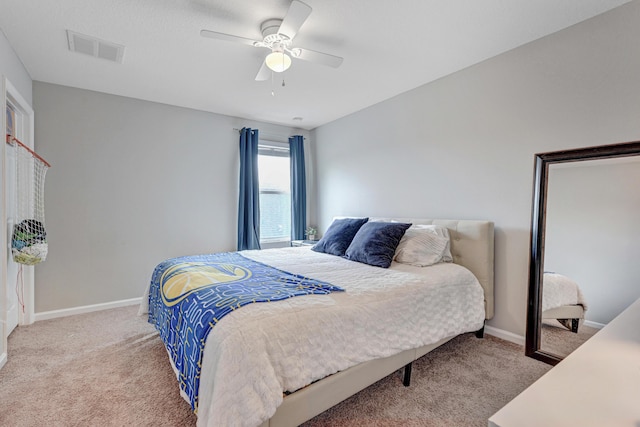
(11, 94)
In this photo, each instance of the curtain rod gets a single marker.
(270, 134)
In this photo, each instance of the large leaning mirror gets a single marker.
(584, 249)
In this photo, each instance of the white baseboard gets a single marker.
(3, 359)
(505, 335)
(45, 315)
(519, 339)
(594, 324)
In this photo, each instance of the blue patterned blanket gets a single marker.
(190, 294)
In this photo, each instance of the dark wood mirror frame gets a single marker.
(538, 218)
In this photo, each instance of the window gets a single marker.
(275, 192)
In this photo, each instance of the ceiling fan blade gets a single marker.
(264, 73)
(297, 14)
(319, 58)
(227, 37)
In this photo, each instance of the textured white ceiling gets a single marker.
(388, 46)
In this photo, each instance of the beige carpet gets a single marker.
(556, 339)
(110, 369)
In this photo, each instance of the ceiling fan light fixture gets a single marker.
(278, 61)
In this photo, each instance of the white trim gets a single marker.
(505, 335)
(3, 235)
(45, 315)
(26, 317)
(519, 339)
(11, 89)
(28, 124)
(594, 324)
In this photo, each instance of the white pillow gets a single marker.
(424, 245)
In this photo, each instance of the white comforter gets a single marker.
(559, 290)
(257, 352)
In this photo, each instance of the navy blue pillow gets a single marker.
(376, 243)
(339, 235)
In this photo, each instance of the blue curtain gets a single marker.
(298, 188)
(249, 200)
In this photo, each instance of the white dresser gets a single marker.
(596, 385)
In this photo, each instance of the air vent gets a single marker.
(95, 47)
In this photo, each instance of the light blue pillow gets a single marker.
(339, 235)
(376, 243)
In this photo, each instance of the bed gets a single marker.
(562, 300)
(281, 363)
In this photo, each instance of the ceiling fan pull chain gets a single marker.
(283, 72)
(273, 92)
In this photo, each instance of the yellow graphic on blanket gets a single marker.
(184, 278)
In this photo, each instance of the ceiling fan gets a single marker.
(278, 37)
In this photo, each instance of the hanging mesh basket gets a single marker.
(29, 237)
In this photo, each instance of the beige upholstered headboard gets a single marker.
(471, 247)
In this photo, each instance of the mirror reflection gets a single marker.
(585, 251)
(591, 249)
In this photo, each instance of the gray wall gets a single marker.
(463, 146)
(132, 183)
(592, 232)
(13, 69)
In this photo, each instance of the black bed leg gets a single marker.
(574, 325)
(406, 381)
(480, 332)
